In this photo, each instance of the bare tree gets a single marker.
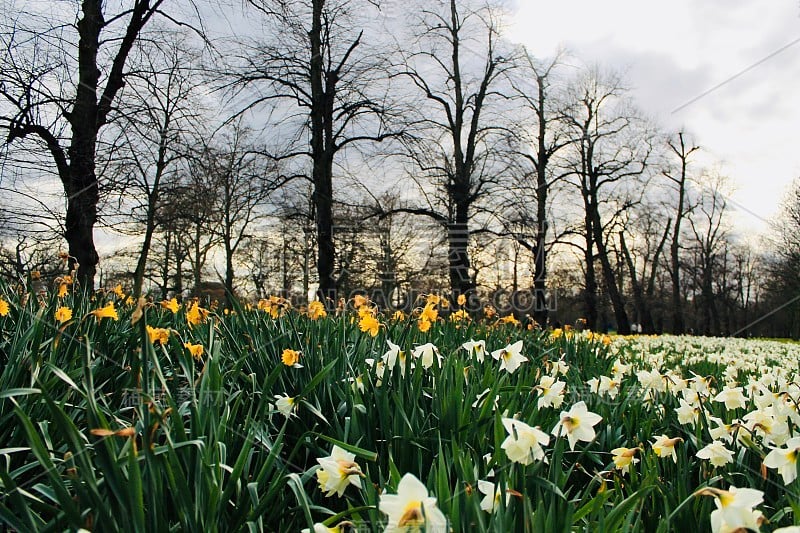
(315, 61)
(613, 149)
(457, 67)
(161, 126)
(683, 151)
(709, 227)
(644, 258)
(242, 180)
(548, 138)
(60, 84)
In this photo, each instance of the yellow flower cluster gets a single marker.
(274, 305)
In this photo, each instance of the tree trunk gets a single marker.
(590, 278)
(458, 255)
(642, 309)
(540, 310)
(617, 302)
(141, 264)
(321, 145)
(81, 187)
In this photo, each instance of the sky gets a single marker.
(671, 53)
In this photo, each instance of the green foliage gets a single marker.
(102, 429)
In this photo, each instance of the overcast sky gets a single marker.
(673, 52)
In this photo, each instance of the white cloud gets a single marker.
(673, 52)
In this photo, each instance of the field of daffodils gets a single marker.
(118, 414)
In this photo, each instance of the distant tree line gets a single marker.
(334, 147)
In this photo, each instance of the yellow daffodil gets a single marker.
(510, 319)
(624, 458)
(432, 300)
(291, 358)
(429, 312)
(459, 316)
(196, 314)
(119, 292)
(63, 290)
(4, 309)
(195, 350)
(423, 325)
(63, 314)
(172, 305)
(316, 310)
(157, 335)
(462, 299)
(106, 312)
(370, 324)
(665, 446)
(360, 301)
(398, 316)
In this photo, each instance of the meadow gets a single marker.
(118, 414)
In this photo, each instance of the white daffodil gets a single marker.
(510, 357)
(784, 460)
(734, 510)
(476, 349)
(552, 392)
(524, 443)
(687, 413)
(716, 453)
(624, 458)
(411, 509)
(732, 397)
(665, 446)
(578, 423)
(763, 422)
(481, 398)
(390, 357)
(676, 382)
(764, 397)
(321, 528)
(285, 404)
(691, 396)
(559, 367)
(619, 369)
(491, 498)
(651, 380)
(380, 369)
(608, 386)
(427, 352)
(722, 431)
(338, 470)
